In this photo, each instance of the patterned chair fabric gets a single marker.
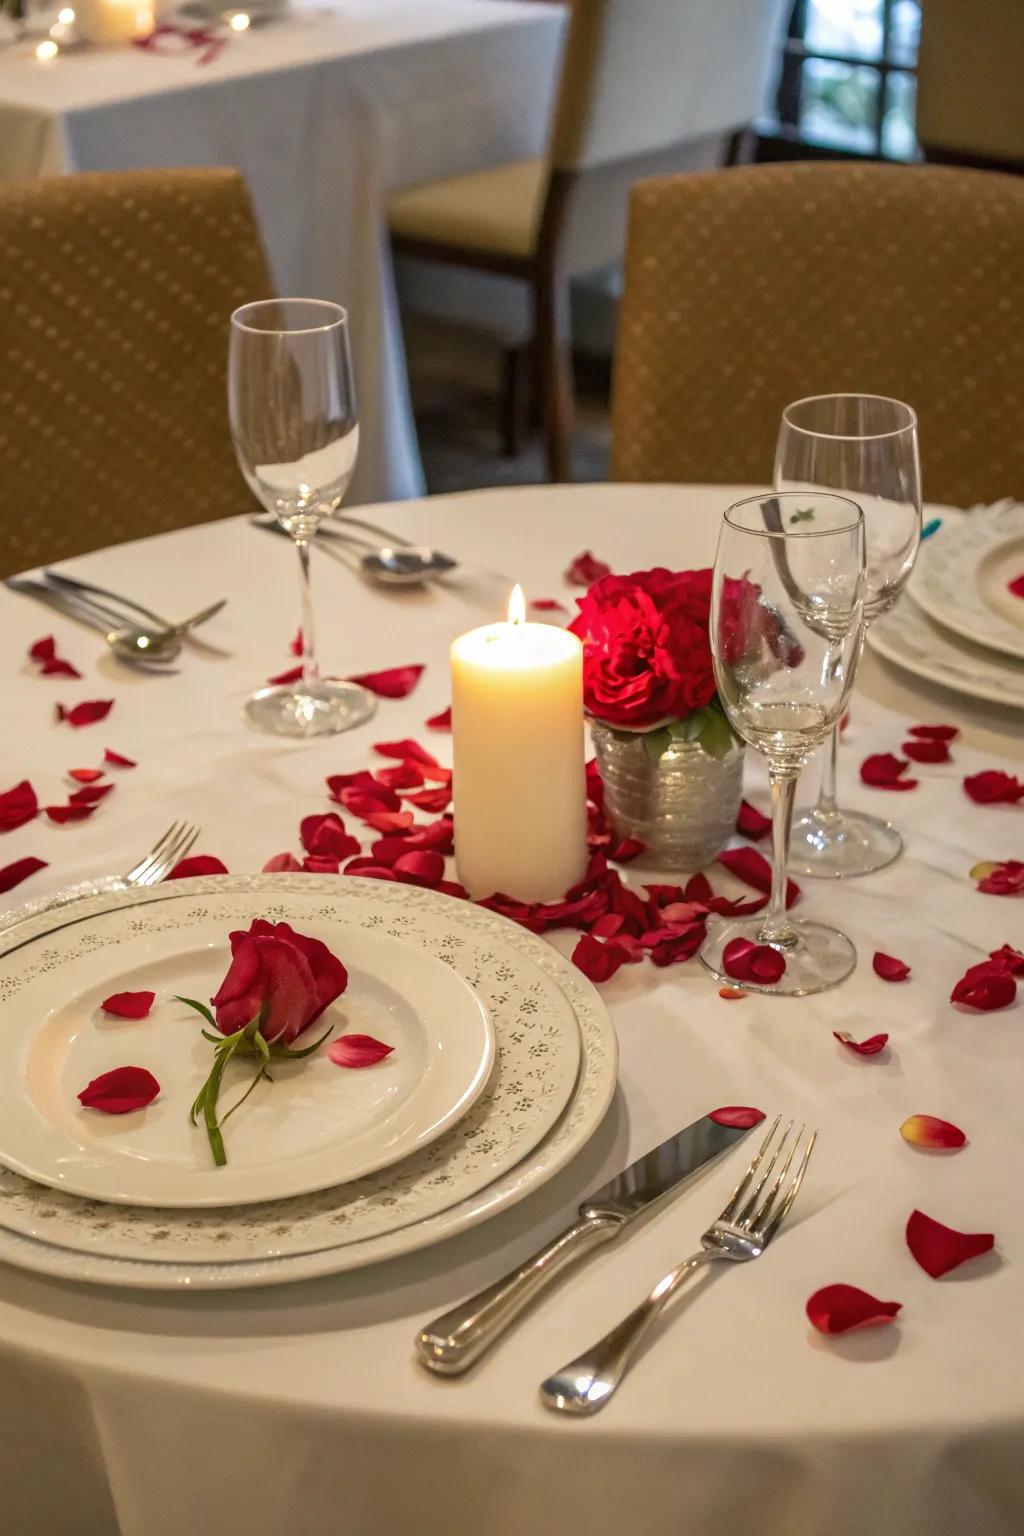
(115, 296)
(752, 287)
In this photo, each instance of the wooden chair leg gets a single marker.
(554, 358)
(513, 401)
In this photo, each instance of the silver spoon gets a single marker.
(395, 564)
(140, 644)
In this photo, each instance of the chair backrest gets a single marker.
(642, 75)
(115, 296)
(969, 74)
(749, 288)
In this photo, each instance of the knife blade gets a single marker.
(451, 1343)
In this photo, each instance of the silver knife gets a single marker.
(451, 1343)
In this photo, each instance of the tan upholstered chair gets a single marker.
(748, 288)
(969, 73)
(647, 86)
(115, 296)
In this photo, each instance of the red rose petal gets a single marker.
(841, 1308)
(759, 963)
(884, 771)
(753, 869)
(197, 864)
(365, 802)
(390, 821)
(432, 800)
(934, 732)
(295, 645)
(985, 987)
(625, 852)
(86, 713)
(1016, 586)
(889, 968)
(281, 863)
(85, 775)
(58, 667)
(129, 1005)
(392, 683)
(926, 751)
(732, 994)
(869, 1047)
(325, 837)
(405, 750)
(938, 1249)
(743, 1116)
(547, 605)
(437, 773)
(1006, 879)
(586, 569)
(44, 649)
(357, 1051)
(368, 868)
(18, 805)
(420, 866)
(751, 823)
(118, 759)
(90, 794)
(1010, 958)
(928, 1131)
(993, 787)
(598, 961)
(120, 1091)
(441, 721)
(70, 812)
(401, 776)
(322, 864)
(13, 874)
(439, 835)
(289, 675)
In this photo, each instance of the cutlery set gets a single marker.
(389, 559)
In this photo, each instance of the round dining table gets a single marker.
(300, 1410)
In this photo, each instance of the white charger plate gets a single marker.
(314, 1126)
(963, 574)
(909, 639)
(581, 1116)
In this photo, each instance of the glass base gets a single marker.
(323, 710)
(844, 843)
(817, 956)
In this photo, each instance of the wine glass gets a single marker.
(292, 404)
(787, 612)
(865, 446)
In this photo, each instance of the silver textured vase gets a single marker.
(682, 807)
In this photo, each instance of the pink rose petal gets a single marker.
(938, 1248)
(120, 1091)
(129, 1005)
(841, 1308)
(742, 1116)
(888, 967)
(357, 1051)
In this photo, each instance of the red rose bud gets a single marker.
(293, 977)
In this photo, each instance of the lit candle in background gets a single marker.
(113, 21)
(518, 752)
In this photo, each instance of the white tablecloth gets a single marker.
(326, 114)
(299, 1410)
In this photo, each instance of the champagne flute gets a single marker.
(292, 406)
(787, 611)
(866, 447)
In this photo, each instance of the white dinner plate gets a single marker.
(963, 574)
(587, 1105)
(314, 1126)
(911, 640)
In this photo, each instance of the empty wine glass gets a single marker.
(787, 613)
(292, 405)
(865, 446)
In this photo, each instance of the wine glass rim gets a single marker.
(339, 316)
(856, 520)
(909, 425)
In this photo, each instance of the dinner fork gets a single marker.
(150, 870)
(742, 1232)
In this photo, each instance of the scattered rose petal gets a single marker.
(405, 750)
(742, 1116)
(44, 649)
(44, 654)
(281, 863)
(889, 968)
(325, 837)
(70, 812)
(884, 771)
(289, 675)
(129, 1005)
(843, 723)
(439, 835)
(420, 866)
(441, 721)
(120, 1091)
(357, 1051)
(841, 1308)
(598, 961)
(547, 605)
(934, 732)
(1016, 586)
(927, 751)
(18, 805)
(437, 773)
(432, 800)
(13, 874)
(869, 1047)
(1005, 879)
(86, 713)
(369, 869)
(732, 994)
(759, 963)
(85, 775)
(627, 850)
(586, 569)
(295, 646)
(90, 794)
(197, 864)
(938, 1249)
(368, 802)
(389, 821)
(321, 864)
(994, 787)
(985, 987)
(58, 667)
(401, 776)
(118, 760)
(751, 822)
(392, 683)
(928, 1131)
(1011, 958)
(753, 869)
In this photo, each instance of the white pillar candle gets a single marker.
(518, 752)
(113, 21)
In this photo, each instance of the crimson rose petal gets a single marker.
(289, 675)
(13, 874)
(296, 645)
(44, 649)
(884, 771)
(1016, 586)
(888, 967)
(281, 863)
(931, 1132)
(70, 812)
(129, 1005)
(90, 794)
(934, 732)
(938, 1248)
(86, 713)
(322, 864)
(120, 1091)
(751, 823)
(986, 987)
(840, 1308)
(753, 869)
(401, 776)
(1011, 958)
(548, 605)
(357, 1051)
(926, 751)
(759, 963)
(441, 721)
(586, 569)
(420, 867)
(390, 821)
(869, 1047)
(433, 800)
(197, 864)
(743, 1116)
(625, 852)
(994, 787)
(17, 806)
(407, 749)
(118, 759)
(58, 667)
(369, 869)
(85, 775)
(732, 994)
(325, 837)
(598, 962)
(1005, 879)
(392, 683)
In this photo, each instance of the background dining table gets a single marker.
(300, 1409)
(326, 112)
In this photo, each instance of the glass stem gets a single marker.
(310, 670)
(826, 806)
(775, 928)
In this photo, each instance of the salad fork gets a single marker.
(742, 1232)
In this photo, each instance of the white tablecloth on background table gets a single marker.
(298, 1411)
(326, 113)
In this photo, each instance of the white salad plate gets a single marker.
(963, 575)
(424, 1208)
(911, 640)
(315, 1125)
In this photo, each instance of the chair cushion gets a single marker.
(496, 210)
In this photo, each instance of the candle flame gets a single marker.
(517, 606)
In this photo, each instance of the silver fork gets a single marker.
(742, 1232)
(158, 862)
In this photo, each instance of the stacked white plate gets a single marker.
(503, 1066)
(960, 625)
